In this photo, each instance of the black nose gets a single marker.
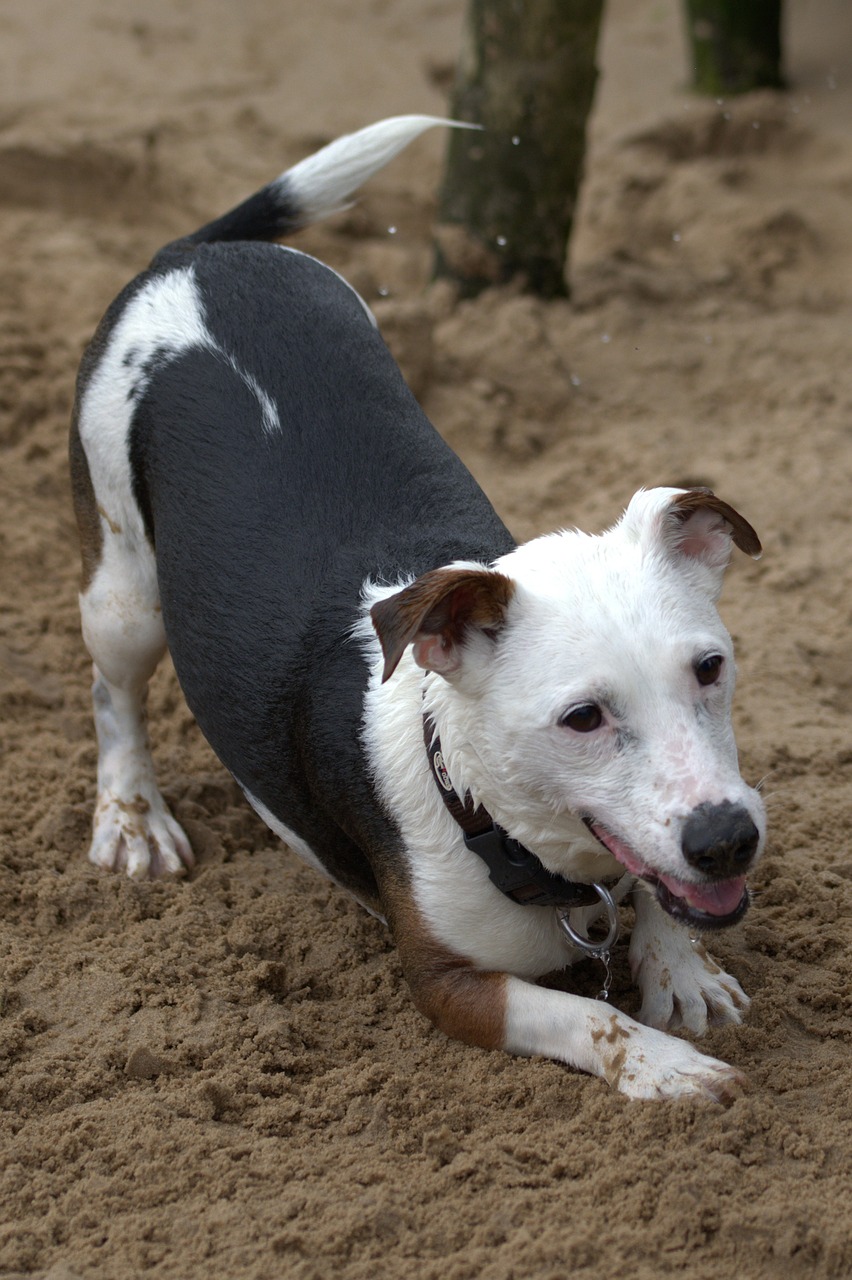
(720, 839)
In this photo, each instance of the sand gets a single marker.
(225, 1077)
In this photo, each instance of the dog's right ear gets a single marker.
(436, 612)
(692, 525)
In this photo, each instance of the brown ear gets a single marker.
(698, 533)
(434, 613)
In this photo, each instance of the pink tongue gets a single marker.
(716, 899)
(619, 850)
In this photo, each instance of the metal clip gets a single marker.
(603, 994)
(600, 950)
(589, 945)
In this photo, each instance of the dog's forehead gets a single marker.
(577, 589)
(577, 568)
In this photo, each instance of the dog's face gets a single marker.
(592, 677)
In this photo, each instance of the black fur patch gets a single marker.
(264, 540)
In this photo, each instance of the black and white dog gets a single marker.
(488, 745)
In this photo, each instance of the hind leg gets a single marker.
(123, 630)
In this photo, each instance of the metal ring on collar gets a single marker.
(589, 945)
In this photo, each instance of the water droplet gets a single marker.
(676, 237)
(382, 291)
(516, 142)
(575, 381)
(391, 231)
(502, 241)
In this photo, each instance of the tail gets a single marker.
(320, 184)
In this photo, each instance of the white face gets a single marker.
(607, 696)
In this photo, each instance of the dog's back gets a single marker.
(277, 460)
(278, 464)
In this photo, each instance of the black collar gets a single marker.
(515, 871)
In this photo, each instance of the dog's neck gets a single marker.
(512, 868)
(515, 870)
(563, 844)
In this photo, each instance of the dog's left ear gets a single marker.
(692, 523)
(436, 612)
(704, 527)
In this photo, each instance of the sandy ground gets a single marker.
(225, 1076)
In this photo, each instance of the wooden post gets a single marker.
(735, 45)
(527, 74)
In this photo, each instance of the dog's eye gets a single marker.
(708, 669)
(583, 719)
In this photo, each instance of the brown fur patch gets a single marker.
(445, 602)
(705, 499)
(463, 1002)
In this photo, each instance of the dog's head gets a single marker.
(591, 677)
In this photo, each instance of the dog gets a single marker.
(489, 745)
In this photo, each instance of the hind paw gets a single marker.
(139, 836)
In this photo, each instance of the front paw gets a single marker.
(139, 836)
(688, 990)
(655, 1065)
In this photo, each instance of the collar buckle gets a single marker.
(522, 877)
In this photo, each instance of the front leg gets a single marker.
(495, 1010)
(638, 1061)
(681, 985)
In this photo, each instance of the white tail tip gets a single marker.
(321, 183)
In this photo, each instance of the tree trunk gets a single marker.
(735, 45)
(527, 75)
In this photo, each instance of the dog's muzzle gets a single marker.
(719, 841)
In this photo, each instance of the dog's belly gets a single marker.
(367, 895)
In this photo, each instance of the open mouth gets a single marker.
(714, 905)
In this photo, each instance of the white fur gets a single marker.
(450, 884)
(618, 620)
(132, 827)
(163, 320)
(120, 608)
(165, 315)
(322, 182)
(681, 986)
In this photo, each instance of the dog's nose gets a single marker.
(720, 839)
